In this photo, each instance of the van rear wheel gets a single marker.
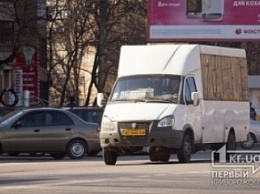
(231, 142)
(184, 153)
(109, 157)
(230, 145)
(152, 154)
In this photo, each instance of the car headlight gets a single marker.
(107, 124)
(166, 122)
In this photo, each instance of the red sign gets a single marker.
(203, 20)
(30, 76)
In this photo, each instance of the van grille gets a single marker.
(134, 139)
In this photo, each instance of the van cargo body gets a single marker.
(210, 108)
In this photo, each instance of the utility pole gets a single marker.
(102, 44)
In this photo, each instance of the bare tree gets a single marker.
(119, 22)
(104, 26)
(67, 43)
(100, 26)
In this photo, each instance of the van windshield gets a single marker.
(148, 88)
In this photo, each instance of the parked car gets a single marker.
(253, 136)
(48, 130)
(88, 113)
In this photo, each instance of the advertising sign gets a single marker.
(204, 20)
(27, 76)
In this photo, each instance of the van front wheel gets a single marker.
(152, 154)
(109, 157)
(184, 153)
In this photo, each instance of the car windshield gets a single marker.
(147, 88)
(9, 115)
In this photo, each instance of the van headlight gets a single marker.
(107, 124)
(167, 121)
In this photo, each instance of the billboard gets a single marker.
(27, 75)
(203, 20)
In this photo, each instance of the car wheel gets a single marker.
(184, 153)
(58, 156)
(76, 149)
(109, 157)
(249, 144)
(152, 154)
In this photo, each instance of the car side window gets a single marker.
(49, 119)
(57, 118)
(96, 116)
(32, 119)
(90, 116)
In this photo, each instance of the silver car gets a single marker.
(253, 136)
(48, 130)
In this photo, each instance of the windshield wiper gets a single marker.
(148, 100)
(159, 100)
(120, 100)
(129, 100)
(132, 100)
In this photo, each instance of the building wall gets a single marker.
(31, 32)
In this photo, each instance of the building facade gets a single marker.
(23, 52)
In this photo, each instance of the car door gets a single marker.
(25, 134)
(57, 131)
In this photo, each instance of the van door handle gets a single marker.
(36, 130)
(68, 129)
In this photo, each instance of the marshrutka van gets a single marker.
(209, 109)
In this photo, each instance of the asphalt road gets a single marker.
(130, 175)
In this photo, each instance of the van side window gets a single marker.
(190, 87)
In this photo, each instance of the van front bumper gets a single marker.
(158, 137)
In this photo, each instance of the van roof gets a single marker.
(179, 59)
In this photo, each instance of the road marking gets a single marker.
(15, 187)
(198, 172)
(58, 183)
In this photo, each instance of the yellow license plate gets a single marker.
(133, 132)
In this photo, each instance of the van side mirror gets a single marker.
(195, 98)
(100, 99)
